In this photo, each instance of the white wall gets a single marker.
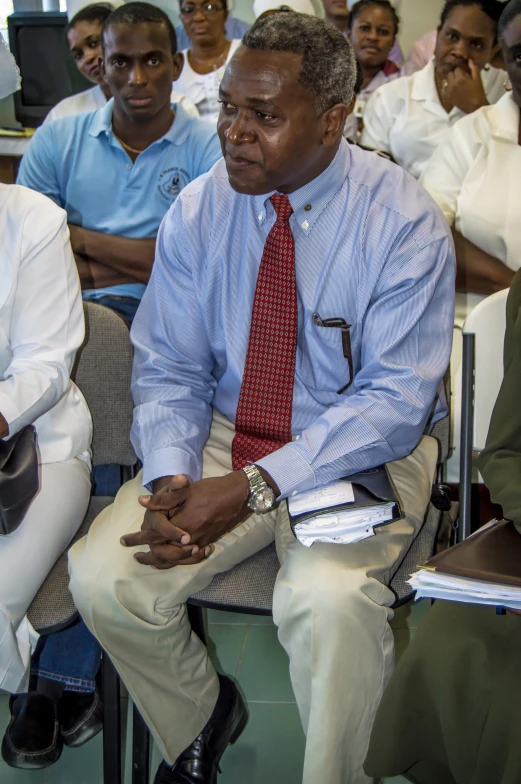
(418, 17)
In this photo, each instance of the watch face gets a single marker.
(263, 500)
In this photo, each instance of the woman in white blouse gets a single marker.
(84, 41)
(372, 27)
(410, 117)
(41, 328)
(206, 60)
(475, 177)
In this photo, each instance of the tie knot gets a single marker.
(282, 206)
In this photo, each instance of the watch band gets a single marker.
(254, 478)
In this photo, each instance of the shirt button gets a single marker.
(260, 217)
(307, 207)
(305, 225)
(128, 166)
(294, 492)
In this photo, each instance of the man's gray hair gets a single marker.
(328, 62)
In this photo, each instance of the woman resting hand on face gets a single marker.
(410, 117)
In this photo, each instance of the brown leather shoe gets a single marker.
(199, 763)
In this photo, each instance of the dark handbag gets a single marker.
(19, 482)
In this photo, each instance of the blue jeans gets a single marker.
(71, 657)
(126, 307)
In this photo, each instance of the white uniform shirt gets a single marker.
(475, 177)
(384, 75)
(90, 100)
(203, 89)
(406, 119)
(41, 325)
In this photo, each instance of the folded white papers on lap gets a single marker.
(346, 511)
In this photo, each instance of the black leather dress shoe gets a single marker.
(199, 763)
(81, 717)
(32, 739)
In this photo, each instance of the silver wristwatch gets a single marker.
(262, 497)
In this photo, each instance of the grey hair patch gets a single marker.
(328, 70)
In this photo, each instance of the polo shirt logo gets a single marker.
(171, 182)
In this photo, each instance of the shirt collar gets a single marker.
(309, 201)
(177, 133)
(424, 85)
(504, 116)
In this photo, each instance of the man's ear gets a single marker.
(334, 120)
(351, 106)
(178, 61)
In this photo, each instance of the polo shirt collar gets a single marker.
(310, 201)
(177, 133)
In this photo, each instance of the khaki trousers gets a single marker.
(331, 606)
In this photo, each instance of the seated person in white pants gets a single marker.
(41, 328)
(238, 366)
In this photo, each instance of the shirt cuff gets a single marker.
(168, 462)
(289, 470)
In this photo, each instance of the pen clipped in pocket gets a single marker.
(345, 328)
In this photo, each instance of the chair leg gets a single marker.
(140, 750)
(196, 618)
(111, 724)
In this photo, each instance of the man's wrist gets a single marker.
(269, 480)
(161, 482)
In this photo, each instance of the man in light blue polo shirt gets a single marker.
(116, 171)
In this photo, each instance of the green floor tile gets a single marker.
(229, 618)
(225, 646)
(271, 749)
(410, 615)
(79, 766)
(264, 670)
(262, 620)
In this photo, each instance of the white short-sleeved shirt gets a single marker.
(386, 74)
(475, 177)
(94, 98)
(41, 325)
(406, 119)
(203, 89)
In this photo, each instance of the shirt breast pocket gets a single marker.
(325, 362)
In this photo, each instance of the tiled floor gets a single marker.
(271, 748)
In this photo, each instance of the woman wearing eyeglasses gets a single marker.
(208, 56)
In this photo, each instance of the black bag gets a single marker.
(19, 482)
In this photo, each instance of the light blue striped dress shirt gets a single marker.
(371, 248)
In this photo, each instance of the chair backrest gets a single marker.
(487, 323)
(102, 371)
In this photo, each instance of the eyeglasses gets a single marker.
(206, 8)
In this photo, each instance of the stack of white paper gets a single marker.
(342, 527)
(436, 585)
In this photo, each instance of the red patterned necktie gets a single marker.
(263, 419)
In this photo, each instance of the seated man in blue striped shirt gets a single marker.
(116, 171)
(247, 391)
